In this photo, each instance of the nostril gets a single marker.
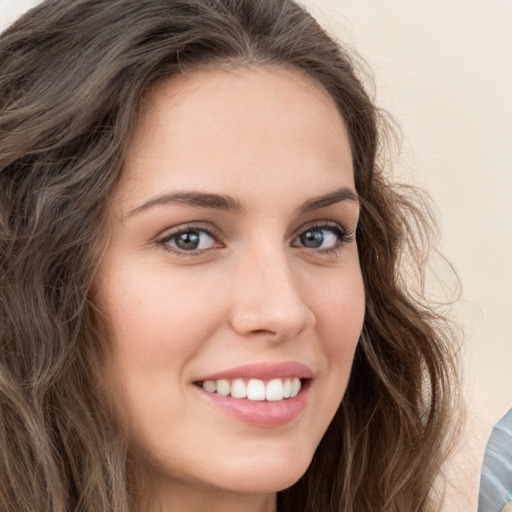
(270, 315)
(263, 331)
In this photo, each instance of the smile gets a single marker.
(264, 395)
(274, 390)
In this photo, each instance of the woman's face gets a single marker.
(232, 269)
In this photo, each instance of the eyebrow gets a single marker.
(338, 195)
(230, 204)
(195, 200)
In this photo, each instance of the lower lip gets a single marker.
(260, 413)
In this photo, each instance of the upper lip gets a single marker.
(262, 371)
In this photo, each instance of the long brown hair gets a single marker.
(73, 74)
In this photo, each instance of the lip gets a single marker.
(262, 371)
(260, 413)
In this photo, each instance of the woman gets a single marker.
(188, 318)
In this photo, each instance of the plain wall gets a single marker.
(444, 70)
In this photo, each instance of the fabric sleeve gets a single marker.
(496, 477)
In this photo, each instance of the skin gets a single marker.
(253, 292)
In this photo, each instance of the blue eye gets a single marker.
(189, 239)
(324, 238)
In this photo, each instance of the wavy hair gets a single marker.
(73, 75)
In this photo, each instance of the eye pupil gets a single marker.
(312, 239)
(187, 241)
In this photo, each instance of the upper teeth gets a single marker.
(255, 389)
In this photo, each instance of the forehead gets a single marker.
(210, 128)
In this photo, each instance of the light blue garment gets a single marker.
(496, 478)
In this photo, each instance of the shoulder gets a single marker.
(496, 478)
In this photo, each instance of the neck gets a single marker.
(183, 498)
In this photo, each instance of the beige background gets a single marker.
(444, 70)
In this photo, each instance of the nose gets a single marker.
(268, 299)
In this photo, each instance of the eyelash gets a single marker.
(343, 237)
(194, 228)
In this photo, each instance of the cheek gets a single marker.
(339, 304)
(157, 326)
(339, 311)
(158, 323)
(155, 319)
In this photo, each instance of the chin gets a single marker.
(269, 475)
(262, 482)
